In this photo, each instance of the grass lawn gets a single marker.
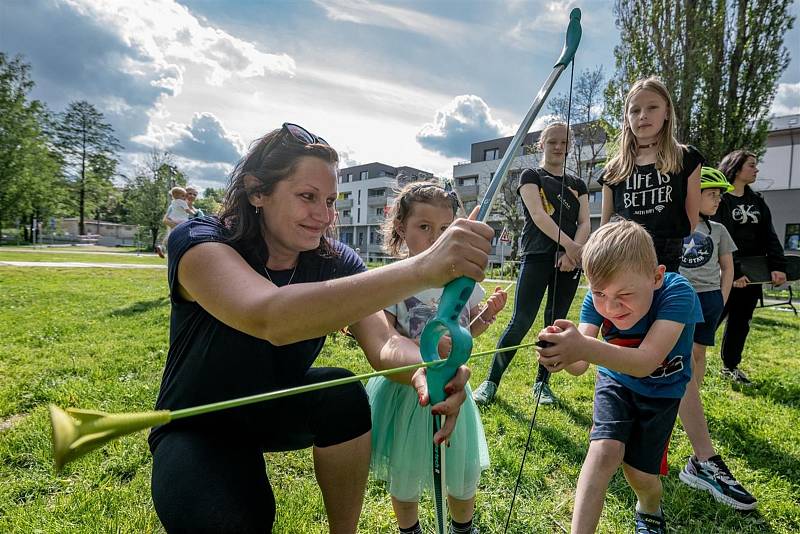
(95, 338)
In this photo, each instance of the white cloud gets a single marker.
(166, 34)
(464, 120)
(386, 16)
(787, 100)
(205, 139)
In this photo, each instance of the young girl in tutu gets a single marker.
(401, 430)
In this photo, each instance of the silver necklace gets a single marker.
(290, 278)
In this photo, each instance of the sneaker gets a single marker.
(735, 374)
(473, 530)
(160, 251)
(715, 477)
(485, 393)
(650, 524)
(547, 396)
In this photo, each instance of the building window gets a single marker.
(347, 238)
(792, 241)
(346, 213)
(364, 175)
(595, 196)
(359, 196)
(379, 212)
(467, 180)
(491, 154)
(349, 176)
(376, 192)
(359, 215)
(346, 178)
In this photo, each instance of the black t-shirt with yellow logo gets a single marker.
(534, 241)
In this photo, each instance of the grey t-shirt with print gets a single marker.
(701, 252)
(414, 312)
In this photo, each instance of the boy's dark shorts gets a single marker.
(643, 424)
(711, 303)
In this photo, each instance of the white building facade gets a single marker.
(365, 194)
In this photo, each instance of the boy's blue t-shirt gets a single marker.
(676, 300)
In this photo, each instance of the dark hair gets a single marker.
(424, 192)
(269, 160)
(733, 163)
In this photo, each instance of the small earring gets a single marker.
(258, 210)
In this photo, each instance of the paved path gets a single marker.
(56, 250)
(79, 265)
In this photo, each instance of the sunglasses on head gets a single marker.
(301, 134)
(288, 131)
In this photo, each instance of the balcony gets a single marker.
(344, 203)
(467, 192)
(375, 219)
(345, 221)
(377, 200)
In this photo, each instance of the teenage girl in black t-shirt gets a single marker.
(540, 190)
(254, 293)
(653, 180)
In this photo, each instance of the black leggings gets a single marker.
(536, 275)
(738, 311)
(215, 479)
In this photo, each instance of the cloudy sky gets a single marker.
(400, 82)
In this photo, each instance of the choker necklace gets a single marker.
(646, 146)
(290, 278)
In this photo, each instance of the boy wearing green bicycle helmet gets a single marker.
(707, 263)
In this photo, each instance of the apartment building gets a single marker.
(365, 194)
(779, 179)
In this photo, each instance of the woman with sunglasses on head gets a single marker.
(254, 293)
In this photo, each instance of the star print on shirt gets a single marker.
(697, 250)
(689, 246)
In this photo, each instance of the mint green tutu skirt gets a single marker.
(402, 443)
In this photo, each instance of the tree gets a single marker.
(721, 60)
(146, 194)
(509, 205)
(88, 148)
(211, 201)
(30, 184)
(587, 121)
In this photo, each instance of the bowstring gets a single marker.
(541, 370)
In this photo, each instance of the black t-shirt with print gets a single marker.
(534, 241)
(209, 361)
(749, 221)
(657, 201)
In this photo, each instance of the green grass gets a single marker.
(96, 338)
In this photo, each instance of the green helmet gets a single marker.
(711, 178)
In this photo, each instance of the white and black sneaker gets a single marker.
(735, 374)
(485, 393)
(715, 477)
